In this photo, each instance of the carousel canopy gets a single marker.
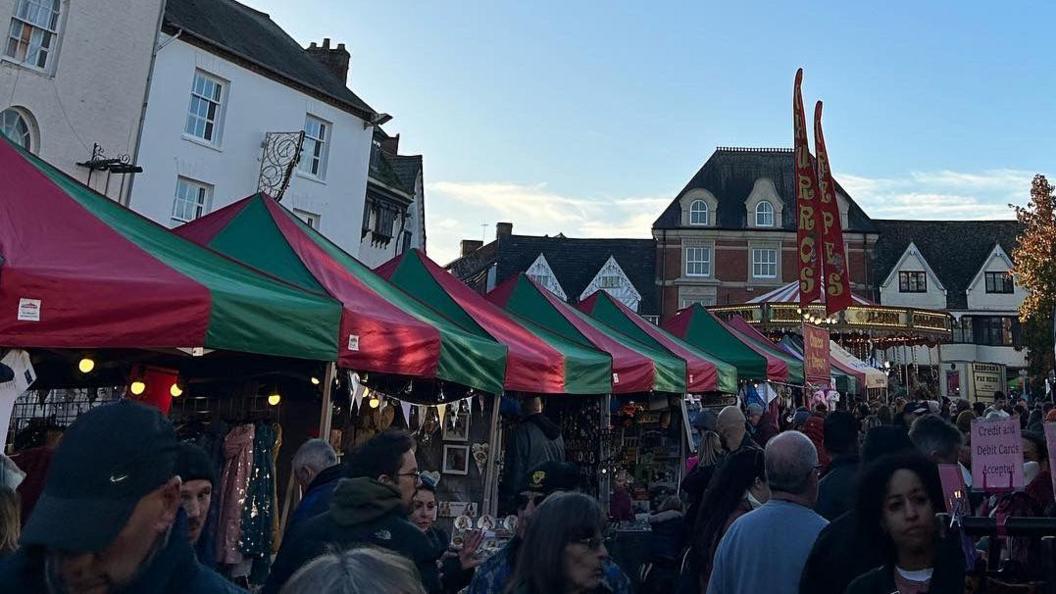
(636, 367)
(704, 373)
(382, 329)
(700, 328)
(790, 294)
(874, 378)
(538, 361)
(848, 381)
(756, 340)
(83, 272)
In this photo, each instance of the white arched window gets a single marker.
(15, 124)
(764, 214)
(698, 213)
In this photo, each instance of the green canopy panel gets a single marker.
(381, 328)
(636, 367)
(757, 340)
(700, 328)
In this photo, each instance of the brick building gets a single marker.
(730, 234)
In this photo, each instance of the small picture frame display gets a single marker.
(456, 428)
(456, 459)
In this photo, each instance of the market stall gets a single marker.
(762, 345)
(848, 381)
(700, 328)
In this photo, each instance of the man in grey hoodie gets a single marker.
(532, 442)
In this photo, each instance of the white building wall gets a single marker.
(255, 105)
(934, 298)
(92, 90)
(981, 301)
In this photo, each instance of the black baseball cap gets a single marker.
(109, 459)
(550, 477)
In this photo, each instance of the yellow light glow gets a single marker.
(86, 365)
(275, 399)
(374, 402)
(137, 387)
(315, 381)
(175, 390)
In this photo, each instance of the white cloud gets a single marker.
(941, 194)
(533, 209)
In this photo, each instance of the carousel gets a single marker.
(877, 334)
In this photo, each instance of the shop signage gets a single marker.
(987, 378)
(997, 455)
(816, 355)
(28, 310)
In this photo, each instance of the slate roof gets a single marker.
(250, 35)
(955, 250)
(730, 174)
(407, 168)
(575, 263)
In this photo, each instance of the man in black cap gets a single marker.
(542, 481)
(109, 519)
(196, 471)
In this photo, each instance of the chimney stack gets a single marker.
(335, 60)
(468, 246)
(503, 230)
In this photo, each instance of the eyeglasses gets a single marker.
(417, 474)
(593, 543)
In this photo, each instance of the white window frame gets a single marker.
(11, 117)
(316, 149)
(758, 262)
(694, 211)
(703, 259)
(199, 98)
(310, 218)
(654, 320)
(704, 301)
(200, 205)
(22, 20)
(764, 214)
(610, 281)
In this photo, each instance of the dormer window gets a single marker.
(764, 214)
(698, 213)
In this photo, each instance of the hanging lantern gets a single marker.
(137, 387)
(274, 399)
(315, 381)
(175, 390)
(86, 365)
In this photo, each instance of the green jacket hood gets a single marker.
(360, 500)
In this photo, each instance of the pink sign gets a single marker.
(997, 455)
(1050, 442)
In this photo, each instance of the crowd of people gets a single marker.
(809, 501)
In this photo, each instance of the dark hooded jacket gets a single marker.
(172, 570)
(362, 511)
(317, 497)
(536, 439)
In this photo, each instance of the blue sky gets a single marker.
(587, 117)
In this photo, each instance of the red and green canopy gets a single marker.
(763, 345)
(704, 373)
(636, 367)
(78, 270)
(538, 361)
(700, 328)
(381, 328)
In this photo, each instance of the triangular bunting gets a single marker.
(441, 410)
(405, 407)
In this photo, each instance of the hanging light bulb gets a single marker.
(175, 390)
(274, 399)
(315, 381)
(374, 402)
(86, 365)
(137, 387)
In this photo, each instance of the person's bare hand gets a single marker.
(467, 555)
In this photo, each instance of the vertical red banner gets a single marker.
(833, 254)
(806, 204)
(816, 366)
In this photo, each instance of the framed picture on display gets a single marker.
(456, 459)
(456, 428)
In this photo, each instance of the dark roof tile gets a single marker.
(955, 250)
(730, 174)
(251, 35)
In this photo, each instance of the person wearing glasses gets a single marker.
(544, 481)
(563, 550)
(370, 506)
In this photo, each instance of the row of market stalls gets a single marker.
(249, 320)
